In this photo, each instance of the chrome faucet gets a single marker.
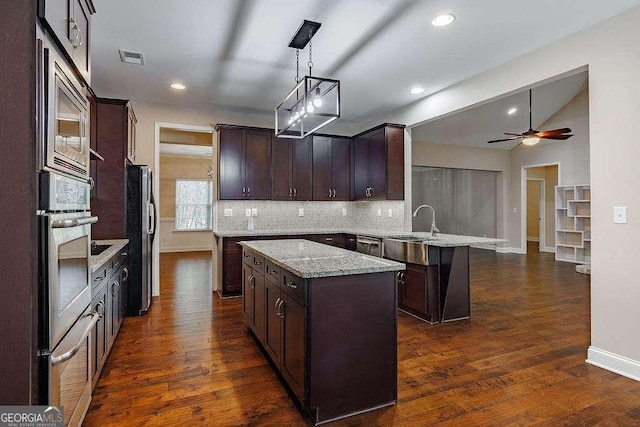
(434, 229)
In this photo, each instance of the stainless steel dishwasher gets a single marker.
(369, 245)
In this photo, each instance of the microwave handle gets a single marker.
(68, 223)
(95, 316)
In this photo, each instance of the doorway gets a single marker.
(538, 206)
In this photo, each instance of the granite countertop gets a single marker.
(98, 260)
(309, 259)
(442, 240)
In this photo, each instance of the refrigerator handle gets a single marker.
(152, 219)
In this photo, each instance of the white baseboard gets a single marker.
(186, 249)
(550, 249)
(510, 251)
(615, 363)
(533, 239)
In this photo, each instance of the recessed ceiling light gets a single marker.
(178, 86)
(417, 90)
(443, 19)
(512, 111)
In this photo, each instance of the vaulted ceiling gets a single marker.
(233, 54)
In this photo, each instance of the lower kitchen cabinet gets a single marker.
(109, 293)
(337, 240)
(253, 304)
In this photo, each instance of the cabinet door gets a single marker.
(259, 305)
(361, 167)
(412, 292)
(97, 337)
(273, 322)
(231, 268)
(124, 291)
(109, 311)
(79, 36)
(293, 344)
(281, 186)
(350, 242)
(258, 165)
(336, 240)
(131, 134)
(378, 165)
(231, 171)
(56, 14)
(341, 168)
(301, 169)
(247, 294)
(322, 168)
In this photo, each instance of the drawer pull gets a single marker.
(257, 262)
(272, 272)
(292, 285)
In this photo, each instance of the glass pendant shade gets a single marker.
(313, 103)
(530, 140)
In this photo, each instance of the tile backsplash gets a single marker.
(317, 215)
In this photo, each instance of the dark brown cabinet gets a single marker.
(331, 168)
(291, 169)
(337, 240)
(69, 22)
(109, 195)
(378, 162)
(293, 320)
(253, 304)
(245, 163)
(273, 327)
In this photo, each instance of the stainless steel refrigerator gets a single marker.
(141, 227)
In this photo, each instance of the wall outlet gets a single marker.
(301, 212)
(379, 212)
(515, 210)
(247, 212)
(228, 212)
(390, 213)
(620, 215)
(254, 211)
(344, 211)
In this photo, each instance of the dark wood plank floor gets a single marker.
(518, 361)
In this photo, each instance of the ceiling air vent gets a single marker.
(129, 57)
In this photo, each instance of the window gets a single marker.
(193, 204)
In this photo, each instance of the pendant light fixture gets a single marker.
(314, 102)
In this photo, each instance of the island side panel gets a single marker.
(352, 344)
(454, 283)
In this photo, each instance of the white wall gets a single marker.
(609, 50)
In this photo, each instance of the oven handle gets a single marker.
(69, 223)
(95, 316)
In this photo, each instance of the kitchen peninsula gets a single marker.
(327, 319)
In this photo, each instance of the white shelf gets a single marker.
(573, 223)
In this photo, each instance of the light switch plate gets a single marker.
(379, 212)
(247, 212)
(301, 212)
(228, 212)
(390, 213)
(620, 215)
(344, 211)
(254, 211)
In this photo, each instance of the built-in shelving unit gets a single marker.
(573, 223)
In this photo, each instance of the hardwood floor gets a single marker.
(519, 360)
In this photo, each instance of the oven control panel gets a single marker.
(62, 193)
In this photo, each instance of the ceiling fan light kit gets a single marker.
(314, 102)
(532, 137)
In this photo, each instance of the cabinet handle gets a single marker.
(114, 288)
(100, 309)
(251, 279)
(280, 313)
(244, 190)
(275, 307)
(257, 262)
(248, 191)
(76, 40)
(290, 192)
(329, 193)
(334, 193)
(272, 272)
(329, 239)
(292, 285)
(295, 193)
(126, 274)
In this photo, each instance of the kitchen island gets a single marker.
(327, 319)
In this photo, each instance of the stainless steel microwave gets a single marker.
(63, 115)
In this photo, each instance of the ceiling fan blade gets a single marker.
(503, 140)
(557, 137)
(513, 134)
(546, 133)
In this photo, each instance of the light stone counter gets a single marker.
(98, 260)
(441, 240)
(309, 259)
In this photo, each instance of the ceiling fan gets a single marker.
(532, 137)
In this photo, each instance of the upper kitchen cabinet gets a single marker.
(331, 168)
(379, 163)
(245, 163)
(112, 118)
(291, 169)
(69, 22)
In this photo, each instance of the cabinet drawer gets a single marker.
(257, 263)
(272, 272)
(247, 257)
(293, 286)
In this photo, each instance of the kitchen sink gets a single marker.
(412, 251)
(98, 249)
